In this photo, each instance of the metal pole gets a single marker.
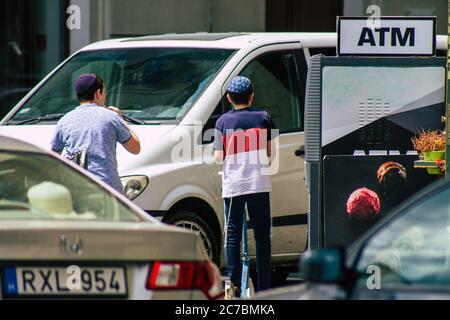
(245, 260)
(447, 78)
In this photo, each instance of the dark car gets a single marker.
(404, 256)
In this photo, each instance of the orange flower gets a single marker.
(431, 140)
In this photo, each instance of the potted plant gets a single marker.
(431, 146)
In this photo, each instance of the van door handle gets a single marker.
(300, 152)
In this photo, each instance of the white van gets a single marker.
(169, 84)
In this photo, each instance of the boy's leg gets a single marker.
(234, 209)
(258, 205)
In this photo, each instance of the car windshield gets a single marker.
(35, 186)
(413, 249)
(146, 83)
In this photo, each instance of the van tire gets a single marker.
(191, 221)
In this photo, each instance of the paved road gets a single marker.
(292, 279)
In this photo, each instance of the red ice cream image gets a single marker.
(363, 203)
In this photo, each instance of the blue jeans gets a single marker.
(258, 205)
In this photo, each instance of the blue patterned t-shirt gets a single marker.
(97, 130)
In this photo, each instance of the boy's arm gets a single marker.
(125, 135)
(57, 144)
(133, 145)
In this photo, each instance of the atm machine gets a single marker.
(360, 116)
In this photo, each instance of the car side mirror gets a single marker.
(324, 265)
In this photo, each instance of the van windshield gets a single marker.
(145, 83)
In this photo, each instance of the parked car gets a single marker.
(64, 233)
(173, 87)
(404, 256)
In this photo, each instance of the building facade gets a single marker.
(39, 34)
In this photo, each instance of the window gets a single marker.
(414, 249)
(221, 108)
(277, 90)
(34, 39)
(326, 51)
(146, 83)
(275, 81)
(34, 186)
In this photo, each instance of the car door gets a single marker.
(275, 76)
(409, 258)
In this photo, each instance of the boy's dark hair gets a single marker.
(89, 94)
(241, 98)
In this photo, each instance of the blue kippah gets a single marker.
(84, 82)
(239, 84)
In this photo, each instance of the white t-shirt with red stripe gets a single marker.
(243, 135)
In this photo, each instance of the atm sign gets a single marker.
(402, 36)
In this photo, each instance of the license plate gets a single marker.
(65, 281)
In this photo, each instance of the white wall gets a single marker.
(159, 16)
(141, 17)
(239, 15)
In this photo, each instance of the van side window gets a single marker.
(220, 109)
(276, 85)
(302, 71)
(327, 51)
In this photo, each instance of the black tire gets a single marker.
(191, 221)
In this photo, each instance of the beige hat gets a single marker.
(51, 198)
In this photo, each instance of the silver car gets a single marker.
(405, 256)
(65, 234)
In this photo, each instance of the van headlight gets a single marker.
(133, 186)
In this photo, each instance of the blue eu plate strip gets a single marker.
(10, 284)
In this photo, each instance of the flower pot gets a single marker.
(433, 156)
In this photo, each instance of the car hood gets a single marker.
(41, 135)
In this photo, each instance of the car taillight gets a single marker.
(204, 276)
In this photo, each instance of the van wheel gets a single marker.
(191, 221)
